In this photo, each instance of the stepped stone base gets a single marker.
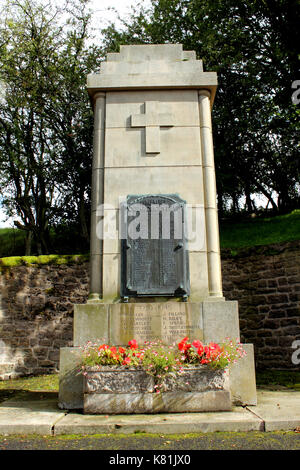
(118, 323)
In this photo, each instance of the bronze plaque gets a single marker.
(154, 254)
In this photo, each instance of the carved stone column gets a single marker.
(210, 196)
(96, 238)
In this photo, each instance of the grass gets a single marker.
(260, 231)
(234, 235)
(12, 242)
(38, 383)
(62, 240)
(275, 379)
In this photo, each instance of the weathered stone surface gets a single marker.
(237, 420)
(117, 390)
(198, 379)
(168, 321)
(278, 410)
(70, 380)
(90, 323)
(242, 379)
(117, 380)
(111, 403)
(19, 416)
(220, 321)
(169, 402)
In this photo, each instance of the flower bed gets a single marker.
(157, 378)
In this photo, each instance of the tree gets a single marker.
(253, 46)
(45, 116)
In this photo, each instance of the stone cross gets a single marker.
(152, 120)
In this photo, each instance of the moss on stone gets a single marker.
(13, 261)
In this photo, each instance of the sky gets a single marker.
(105, 11)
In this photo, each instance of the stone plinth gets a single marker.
(116, 324)
(167, 321)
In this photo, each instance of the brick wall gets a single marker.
(36, 308)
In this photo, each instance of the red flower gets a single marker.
(133, 344)
(214, 347)
(199, 346)
(212, 350)
(103, 346)
(122, 350)
(126, 361)
(207, 351)
(183, 345)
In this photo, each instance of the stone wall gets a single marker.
(36, 308)
(36, 315)
(266, 282)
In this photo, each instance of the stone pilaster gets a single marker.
(210, 199)
(96, 244)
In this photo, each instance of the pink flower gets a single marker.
(126, 361)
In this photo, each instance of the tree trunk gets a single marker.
(39, 247)
(220, 204)
(82, 219)
(28, 241)
(265, 193)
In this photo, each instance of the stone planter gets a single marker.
(118, 390)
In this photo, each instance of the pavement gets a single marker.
(38, 413)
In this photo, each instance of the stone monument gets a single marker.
(153, 149)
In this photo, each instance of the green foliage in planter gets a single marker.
(160, 360)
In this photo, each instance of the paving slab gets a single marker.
(239, 419)
(39, 414)
(280, 410)
(21, 416)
